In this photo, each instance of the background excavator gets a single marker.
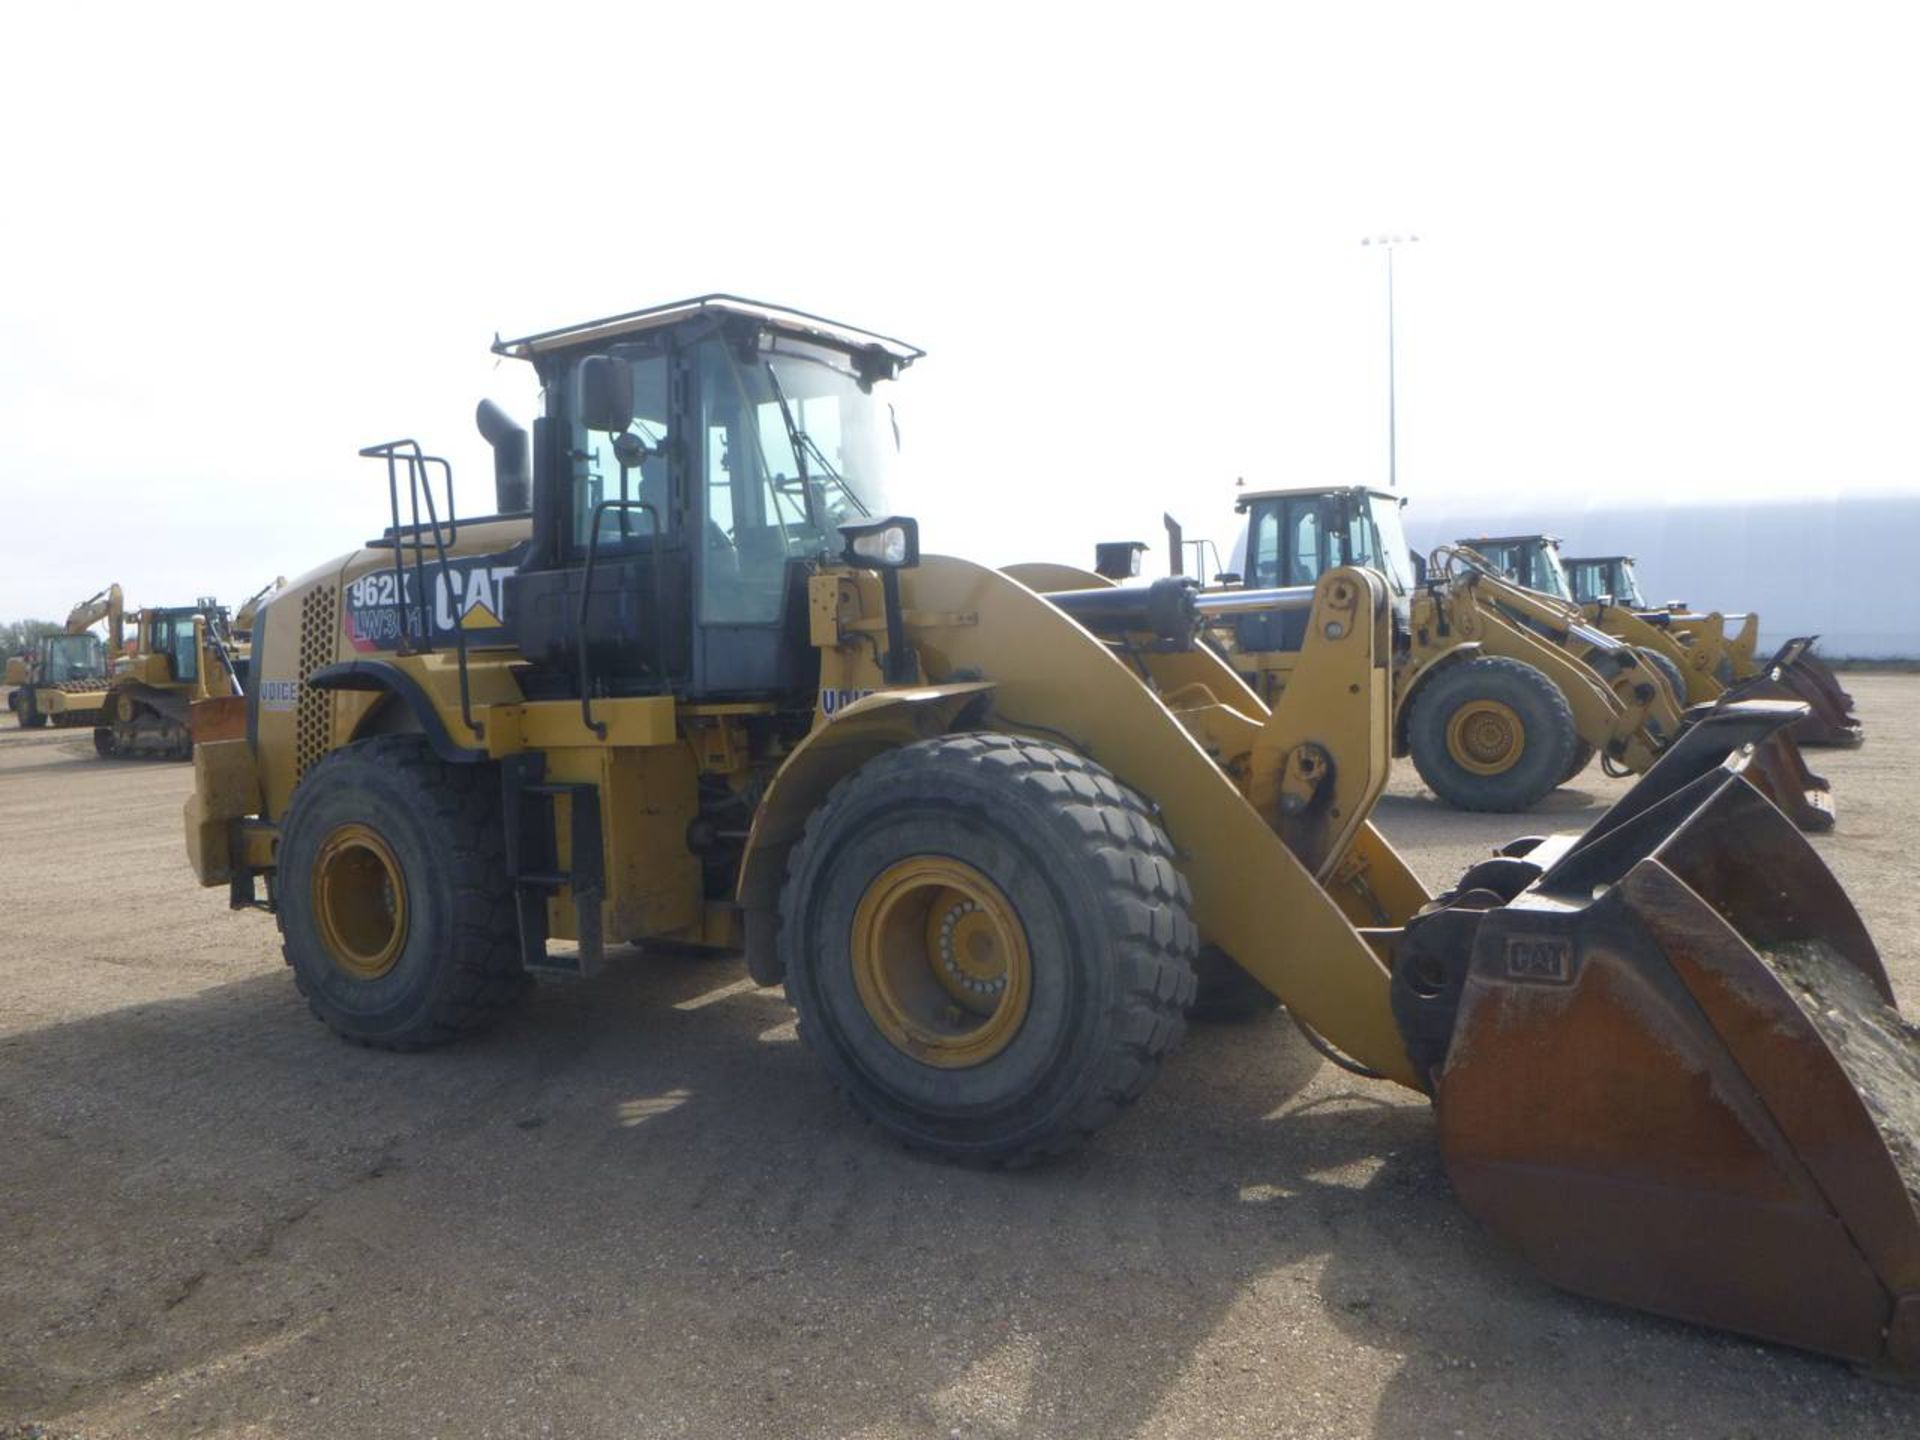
(63, 680)
(1501, 693)
(697, 683)
(1703, 660)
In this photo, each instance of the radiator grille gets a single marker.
(313, 718)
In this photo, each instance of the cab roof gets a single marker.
(1480, 540)
(1246, 498)
(1596, 559)
(658, 317)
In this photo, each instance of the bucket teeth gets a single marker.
(1675, 1075)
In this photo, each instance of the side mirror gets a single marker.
(1117, 559)
(603, 394)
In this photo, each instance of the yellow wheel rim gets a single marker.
(1486, 737)
(360, 901)
(941, 961)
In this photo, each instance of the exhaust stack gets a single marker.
(512, 470)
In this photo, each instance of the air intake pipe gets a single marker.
(512, 471)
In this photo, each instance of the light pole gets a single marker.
(1387, 242)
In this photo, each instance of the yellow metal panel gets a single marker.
(633, 721)
(224, 779)
(648, 798)
(210, 843)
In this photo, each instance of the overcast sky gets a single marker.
(1665, 246)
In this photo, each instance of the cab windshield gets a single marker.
(1379, 541)
(794, 443)
(1532, 563)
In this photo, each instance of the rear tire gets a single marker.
(1225, 994)
(395, 905)
(1491, 734)
(31, 716)
(103, 744)
(1583, 754)
(1058, 885)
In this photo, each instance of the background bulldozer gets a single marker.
(697, 684)
(1501, 693)
(179, 654)
(1707, 660)
(64, 679)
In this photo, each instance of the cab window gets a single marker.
(1266, 548)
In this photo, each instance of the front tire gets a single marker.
(396, 909)
(1491, 734)
(1667, 670)
(988, 945)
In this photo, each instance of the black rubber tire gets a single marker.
(1583, 754)
(1089, 873)
(1546, 721)
(459, 967)
(1663, 664)
(1224, 994)
(32, 717)
(103, 744)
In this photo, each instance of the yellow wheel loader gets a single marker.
(63, 680)
(179, 654)
(1715, 661)
(696, 683)
(1501, 693)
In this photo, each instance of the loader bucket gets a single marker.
(1778, 770)
(1795, 674)
(1676, 1077)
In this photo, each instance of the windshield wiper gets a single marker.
(803, 446)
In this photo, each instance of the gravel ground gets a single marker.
(637, 1210)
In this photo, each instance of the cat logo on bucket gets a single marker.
(1541, 959)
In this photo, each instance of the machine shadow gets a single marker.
(642, 1195)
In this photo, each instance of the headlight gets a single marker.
(889, 544)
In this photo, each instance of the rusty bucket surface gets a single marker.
(1794, 673)
(1676, 1077)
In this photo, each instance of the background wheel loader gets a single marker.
(1708, 661)
(63, 681)
(1501, 694)
(697, 683)
(179, 654)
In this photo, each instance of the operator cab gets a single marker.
(1295, 536)
(1608, 578)
(72, 657)
(1529, 560)
(695, 462)
(169, 634)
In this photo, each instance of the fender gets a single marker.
(831, 752)
(384, 677)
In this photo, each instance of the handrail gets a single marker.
(417, 461)
(599, 727)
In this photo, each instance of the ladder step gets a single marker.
(550, 879)
(554, 787)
